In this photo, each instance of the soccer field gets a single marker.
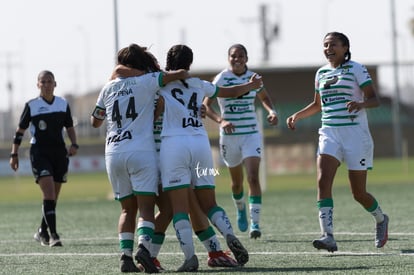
(87, 223)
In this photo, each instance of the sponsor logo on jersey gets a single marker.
(333, 99)
(191, 122)
(234, 109)
(330, 81)
(119, 137)
(42, 109)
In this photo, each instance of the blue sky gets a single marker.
(75, 39)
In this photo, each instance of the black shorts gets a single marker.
(51, 161)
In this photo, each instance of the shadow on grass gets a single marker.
(338, 240)
(263, 270)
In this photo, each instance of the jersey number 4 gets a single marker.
(129, 113)
(192, 104)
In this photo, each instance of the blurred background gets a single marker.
(78, 41)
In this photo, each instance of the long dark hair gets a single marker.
(179, 57)
(137, 57)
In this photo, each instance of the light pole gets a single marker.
(396, 98)
(267, 36)
(116, 27)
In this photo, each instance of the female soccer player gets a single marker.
(186, 154)
(343, 90)
(127, 104)
(240, 139)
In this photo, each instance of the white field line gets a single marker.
(347, 253)
(240, 236)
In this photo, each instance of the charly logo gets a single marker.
(202, 172)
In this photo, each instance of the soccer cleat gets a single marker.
(127, 264)
(326, 242)
(239, 252)
(381, 236)
(255, 231)
(221, 259)
(242, 219)
(54, 240)
(143, 257)
(189, 265)
(157, 264)
(42, 237)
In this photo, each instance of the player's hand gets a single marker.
(124, 71)
(291, 122)
(227, 126)
(353, 106)
(257, 81)
(14, 163)
(272, 118)
(73, 150)
(203, 111)
(184, 74)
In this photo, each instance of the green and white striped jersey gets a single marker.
(336, 87)
(239, 111)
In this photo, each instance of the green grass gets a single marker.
(87, 222)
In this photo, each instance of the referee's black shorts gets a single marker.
(50, 161)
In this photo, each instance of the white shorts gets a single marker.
(132, 173)
(186, 161)
(234, 149)
(353, 145)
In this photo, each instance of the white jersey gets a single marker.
(241, 111)
(185, 147)
(128, 104)
(336, 87)
(182, 114)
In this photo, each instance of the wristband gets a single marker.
(75, 145)
(17, 138)
(273, 112)
(14, 155)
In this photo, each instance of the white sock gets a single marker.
(184, 235)
(255, 209)
(240, 204)
(378, 214)
(239, 201)
(221, 221)
(326, 220)
(212, 244)
(145, 231)
(126, 242)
